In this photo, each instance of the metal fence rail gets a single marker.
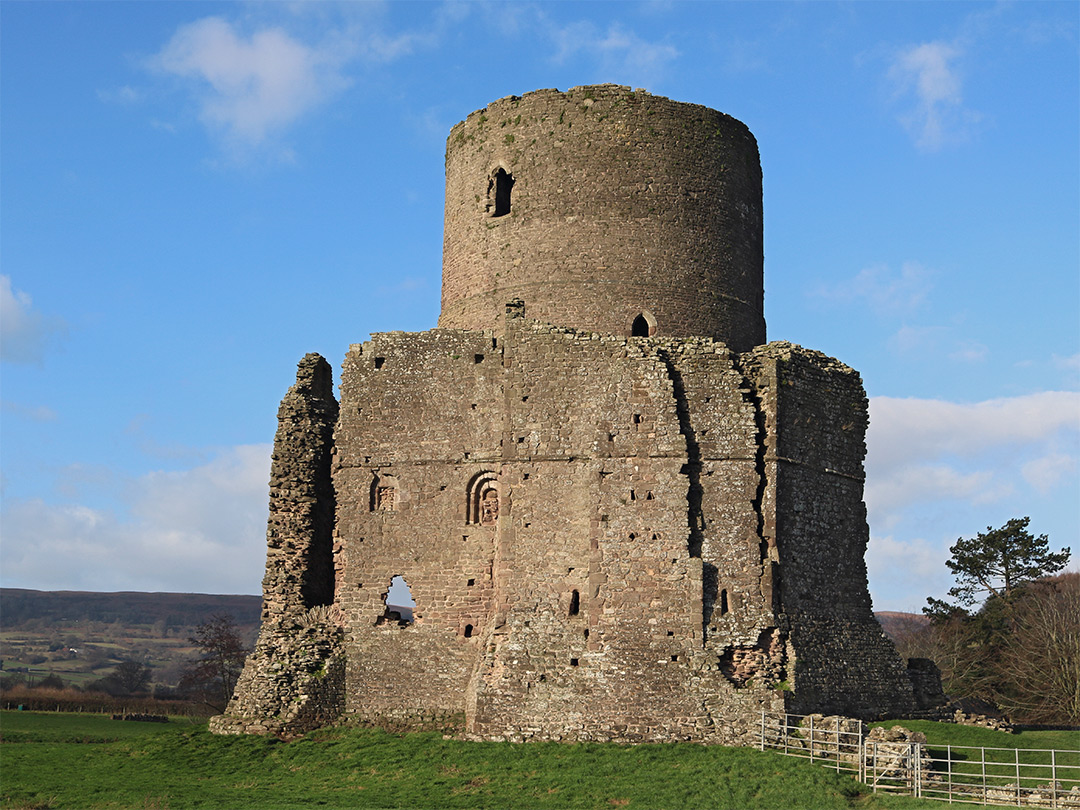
(1019, 777)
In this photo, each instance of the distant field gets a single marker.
(90, 762)
(82, 636)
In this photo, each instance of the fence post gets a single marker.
(860, 751)
(982, 760)
(874, 765)
(1053, 778)
(948, 773)
(1017, 750)
(913, 751)
(838, 743)
(762, 729)
(811, 738)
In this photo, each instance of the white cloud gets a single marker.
(199, 530)
(909, 339)
(883, 289)
(935, 468)
(1070, 363)
(927, 81)
(24, 332)
(913, 566)
(969, 351)
(1046, 472)
(34, 413)
(887, 495)
(624, 56)
(252, 87)
(120, 95)
(905, 430)
(922, 450)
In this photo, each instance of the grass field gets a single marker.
(81, 761)
(956, 746)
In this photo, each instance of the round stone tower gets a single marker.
(605, 209)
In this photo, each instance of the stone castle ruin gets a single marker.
(621, 513)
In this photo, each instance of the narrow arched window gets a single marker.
(575, 603)
(644, 325)
(499, 188)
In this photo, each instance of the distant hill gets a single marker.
(83, 635)
(896, 623)
(18, 605)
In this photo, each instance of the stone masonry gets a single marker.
(621, 513)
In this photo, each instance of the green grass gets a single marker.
(88, 761)
(62, 727)
(59, 761)
(963, 761)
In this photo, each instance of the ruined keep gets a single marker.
(621, 513)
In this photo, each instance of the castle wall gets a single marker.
(628, 588)
(294, 678)
(299, 557)
(621, 202)
(593, 529)
(625, 518)
(816, 416)
(603, 513)
(420, 418)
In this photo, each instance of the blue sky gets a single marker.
(196, 194)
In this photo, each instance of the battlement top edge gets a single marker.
(590, 91)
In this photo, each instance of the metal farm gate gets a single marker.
(1018, 777)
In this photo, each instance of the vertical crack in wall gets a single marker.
(692, 468)
(770, 580)
(695, 517)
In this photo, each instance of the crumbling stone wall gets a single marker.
(625, 590)
(293, 681)
(622, 516)
(816, 416)
(299, 557)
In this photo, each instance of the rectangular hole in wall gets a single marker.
(573, 662)
(471, 582)
(478, 358)
(379, 362)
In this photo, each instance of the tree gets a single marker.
(131, 676)
(1021, 648)
(51, 681)
(996, 562)
(1042, 660)
(213, 676)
